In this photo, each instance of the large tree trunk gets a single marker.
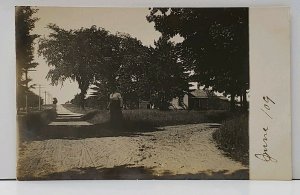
(83, 86)
(164, 104)
(82, 97)
(245, 103)
(241, 100)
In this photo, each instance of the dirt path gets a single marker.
(184, 152)
(68, 118)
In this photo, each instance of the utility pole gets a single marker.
(45, 97)
(26, 78)
(26, 96)
(26, 103)
(39, 97)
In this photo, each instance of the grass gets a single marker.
(233, 138)
(35, 109)
(180, 117)
(77, 109)
(153, 117)
(32, 122)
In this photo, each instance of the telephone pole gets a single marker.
(39, 97)
(26, 102)
(45, 97)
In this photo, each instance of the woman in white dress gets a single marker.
(115, 107)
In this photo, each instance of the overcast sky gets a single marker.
(128, 20)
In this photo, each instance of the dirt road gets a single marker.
(173, 152)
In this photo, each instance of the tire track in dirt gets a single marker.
(183, 149)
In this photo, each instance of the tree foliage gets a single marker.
(141, 73)
(124, 68)
(95, 57)
(167, 75)
(215, 44)
(24, 24)
(75, 55)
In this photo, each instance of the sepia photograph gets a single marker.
(132, 93)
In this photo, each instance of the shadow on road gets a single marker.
(88, 131)
(132, 173)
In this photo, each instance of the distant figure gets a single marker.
(54, 101)
(115, 106)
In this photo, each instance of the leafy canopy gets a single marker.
(215, 44)
(25, 22)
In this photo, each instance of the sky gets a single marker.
(127, 20)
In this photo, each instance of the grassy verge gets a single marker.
(77, 109)
(181, 117)
(154, 117)
(233, 138)
(29, 124)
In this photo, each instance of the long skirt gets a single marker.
(116, 117)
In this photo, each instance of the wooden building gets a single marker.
(200, 99)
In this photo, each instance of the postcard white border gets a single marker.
(270, 104)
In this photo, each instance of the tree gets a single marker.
(124, 68)
(142, 73)
(167, 75)
(215, 44)
(24, 23)
(75, 55)
(93, 56)
(76, 100)
(131, 76)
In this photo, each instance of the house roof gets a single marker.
(200, 93)
(223, 98)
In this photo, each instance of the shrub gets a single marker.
(90, 115)
(218, 116)
(233, 138)
(35, 120)
(96, 116)
(155, 118)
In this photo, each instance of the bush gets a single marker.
(161, 118)
(233, 138)
(156, 118)
(218, 116)
(78, 109)
(92, 114)
(34, 121)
